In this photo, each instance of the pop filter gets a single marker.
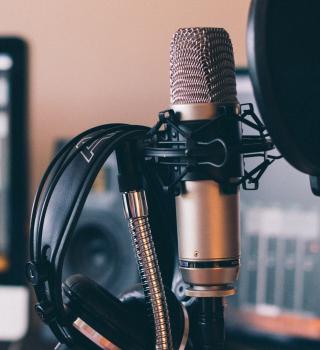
(284, 64)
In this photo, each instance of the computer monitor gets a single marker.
(13, 189)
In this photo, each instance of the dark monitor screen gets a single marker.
(13, 189)
(5, 67)
(279, 285)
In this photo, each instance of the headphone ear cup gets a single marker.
(134, 300)
(101, 317)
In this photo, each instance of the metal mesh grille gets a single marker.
(202, 67)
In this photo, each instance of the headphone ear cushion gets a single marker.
(107, 315)
(134, 300)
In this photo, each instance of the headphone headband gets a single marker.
(69, 176)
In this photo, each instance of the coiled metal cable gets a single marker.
(137, 214)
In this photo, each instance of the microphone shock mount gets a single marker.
(210, 149)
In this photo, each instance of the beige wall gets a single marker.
(97, 61)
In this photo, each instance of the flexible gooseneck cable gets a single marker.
(136, 211)
(129, 159)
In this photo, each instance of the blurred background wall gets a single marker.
(101, 61)
(97, 61)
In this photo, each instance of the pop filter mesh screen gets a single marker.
(287, 50)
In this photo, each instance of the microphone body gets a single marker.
(203, 90)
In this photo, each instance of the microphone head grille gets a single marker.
(202, 67)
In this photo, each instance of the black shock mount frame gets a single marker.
(210, 149)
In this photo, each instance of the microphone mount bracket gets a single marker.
(212, 149)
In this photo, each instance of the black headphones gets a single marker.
(81, 313)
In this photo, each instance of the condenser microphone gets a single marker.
(203, 89)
